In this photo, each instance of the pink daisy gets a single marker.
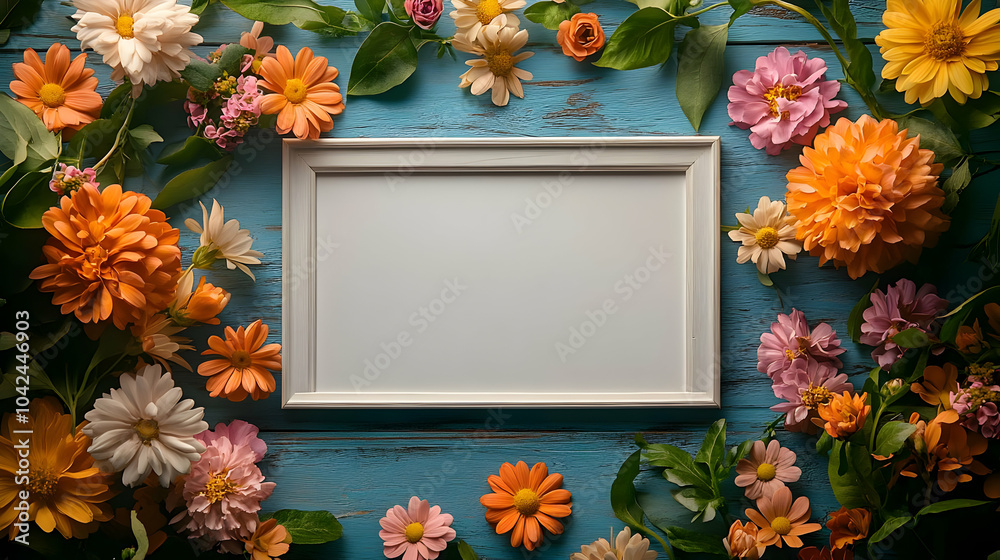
(806, 389)
(900, 307)
(766, 469)
(419, 532)
(791, 345)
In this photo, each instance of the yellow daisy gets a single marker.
(932, 47)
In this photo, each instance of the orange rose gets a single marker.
(580, 36)
(848, 525)
(843, 415)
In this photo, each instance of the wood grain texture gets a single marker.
(358, 464)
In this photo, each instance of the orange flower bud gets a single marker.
(580, 36)
(205, 302)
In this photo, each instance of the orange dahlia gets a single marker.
(61, 92)
(866, 196)
(304, 93)
(67, 492)
(524, 501)
(243, 368)
(110, 256)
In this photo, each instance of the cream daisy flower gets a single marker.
(497, 43)
(626, 547)
(768, 235)
(144, 428)
(159, 340)
(222, 240)
(472, 15)
(145, 41)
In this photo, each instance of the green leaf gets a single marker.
(142, 136)
(764, 279)
(200, 74)
(888, 528)
(994, 556)
(736, 453)
(7, 340)
(93, 140)
(550, 14)
(337, 22)
(231, 60)
(860, 67)
(459, 550)
(740, 7)
(713, 448)
(192, 183)
(849, 469)
(307, 527)
(824, 444)
(696, 499)
(28, 199)
(198, 6)
(645, 38)
(370, 9)
(115, 103)
(892, 436)
(700, 66)
(912, 338)
(953, 186)
(972, 115)
(678, 465)
(694, 542)
(140, 538)
(623, 498)
(189, 151)
(948, 505)
(857, 316)
(23, 137)
(385, 60)
(278, 12)
(934, 137)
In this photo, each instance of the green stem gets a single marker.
(118, 137)
(703, 10)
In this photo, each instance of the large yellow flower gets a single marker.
(66, 491)
(932, 47)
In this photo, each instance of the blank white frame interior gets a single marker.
(531, 272)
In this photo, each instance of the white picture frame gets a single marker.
(368, 224)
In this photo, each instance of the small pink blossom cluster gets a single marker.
(68, 179)
(803, 366)
(976, 403)
(221, 495)
(900, 307)
(236, 101)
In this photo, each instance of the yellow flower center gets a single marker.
(42, 483)
(123, 25)
(526, 501)
(815, 396)
(944, 41)
(767, 237)
(52, 95)
(781, 525)
(218, 487)
(148, 430)
(486, 10)
(779, 91)
(766, 471)
(296, 90)
(241, 359)
(500, 63)
(414, 532)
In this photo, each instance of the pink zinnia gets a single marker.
(224, 489)
(791, 345)
(784, 101)
(419, 532)
(765, 469)
(804, 390)
(899, 308)
(976, 405)
(68, 179)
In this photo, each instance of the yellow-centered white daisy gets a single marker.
(767, 236)
(472, 15)
(497, 44)
(222, 240)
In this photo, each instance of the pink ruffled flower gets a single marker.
(791, 345)
(68, 179)
(900, 307)
(766, 469)
(425, 13)
(804, 390)
(223, 491)
(977, 405)
(784, 101)
(419, 532)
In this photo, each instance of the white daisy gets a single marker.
(222, 240)
(767, 236)
(144, 428)
(144, 40)
(472, 15)
(497, 69)
(626, 546)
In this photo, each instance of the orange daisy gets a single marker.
(62, 93)
(243, 369)
(110, 256)
(304, 93)
(524, 501)
(780, 519)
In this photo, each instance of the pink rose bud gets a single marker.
(425, 13)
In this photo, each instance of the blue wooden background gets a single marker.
(357, 464)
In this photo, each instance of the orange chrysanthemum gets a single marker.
(945, 446)
(243, 369)
(110, 256)
(843, 415)
(304, 93)
(524, 501)
(848, 526)
(66, 491)
(866, 196)
(62, 93)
